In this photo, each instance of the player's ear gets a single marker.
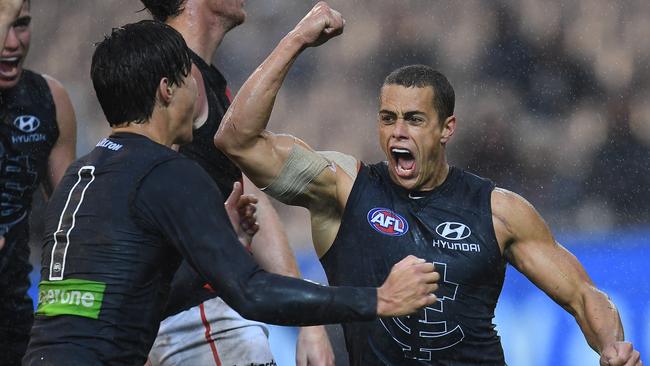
(448, 129)
(165, 91)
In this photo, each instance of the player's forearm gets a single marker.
(598, 318)
(250, 111)
(270, 245)
(282, 300)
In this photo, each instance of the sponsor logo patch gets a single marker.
(453, 230)
(27, 124)
(70, 297)
(387, 222)
(109, 144)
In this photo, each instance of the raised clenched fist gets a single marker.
(319, 25)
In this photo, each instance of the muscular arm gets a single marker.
(63, 152)
(261, 154)
(242, 134)
(530, 247)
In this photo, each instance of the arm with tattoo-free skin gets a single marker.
(63, 151)
(261, 154)
(528, 244)
(242, 134)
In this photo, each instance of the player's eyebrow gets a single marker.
(414, 113)
(22, 21)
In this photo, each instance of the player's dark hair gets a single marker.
(128, 65)
(421, 76)
(162, 10)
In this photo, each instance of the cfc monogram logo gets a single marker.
(27, 124)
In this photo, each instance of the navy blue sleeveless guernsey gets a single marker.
(450, 226)
(28, 131)
(27, 134)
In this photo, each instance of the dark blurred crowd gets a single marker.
(552, 97)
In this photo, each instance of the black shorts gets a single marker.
(16, 307)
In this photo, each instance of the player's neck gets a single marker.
(149, 129)
(203, 34)
(439, 173)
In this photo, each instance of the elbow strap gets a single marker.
(301, 167)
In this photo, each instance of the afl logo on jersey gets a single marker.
(27, 124)
(453, 230)
(387, 222)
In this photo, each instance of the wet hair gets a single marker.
(161, 10)
(421, 76)
(127, 67)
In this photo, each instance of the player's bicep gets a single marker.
(287, 169)
(532, 249)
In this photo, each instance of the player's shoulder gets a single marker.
(51, 81)
(506, 199)
(56, 88)
(513, 210)
(179, 168)
(471, 178)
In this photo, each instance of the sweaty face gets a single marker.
(410, 135)
(15, 49)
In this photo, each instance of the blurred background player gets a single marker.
(365, 217)
(37, 143)
(114, 237)
(202, 327)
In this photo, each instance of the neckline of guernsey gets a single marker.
(418, 195)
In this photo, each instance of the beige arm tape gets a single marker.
(301, 167)
(347, 162)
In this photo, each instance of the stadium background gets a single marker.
(553, 102)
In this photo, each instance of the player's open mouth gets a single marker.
(404, 162)
(9, 67)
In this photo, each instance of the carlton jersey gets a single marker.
(105, 266)
(28, 131)
(114, 238)
(450, 226)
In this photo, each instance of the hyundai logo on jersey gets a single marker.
(453, 230)
(387, 222)
(27, 124)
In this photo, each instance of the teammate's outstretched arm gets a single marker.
(243, 135)
(530, 247)
(211, 247)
